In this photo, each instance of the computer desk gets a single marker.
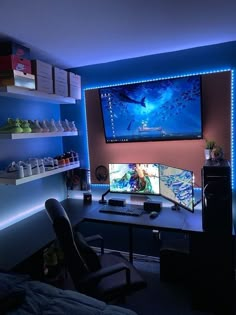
(168, 219)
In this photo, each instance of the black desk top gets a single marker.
(168, 219)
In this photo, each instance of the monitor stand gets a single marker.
(175, 207)
(102, 200)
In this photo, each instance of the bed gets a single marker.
(19, 295)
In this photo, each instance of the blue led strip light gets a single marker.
(159, 78)
(232, 130)
(86, 142)
(191, 74)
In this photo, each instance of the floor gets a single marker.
(160, 298)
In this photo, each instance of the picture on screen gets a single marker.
(134, 178)
(154, 110)
(177, 185)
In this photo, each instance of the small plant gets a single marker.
(210, 144)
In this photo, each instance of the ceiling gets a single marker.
(74, 33)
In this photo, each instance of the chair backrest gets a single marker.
(76, 265)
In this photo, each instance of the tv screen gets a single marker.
(177, 185)
(168, 109)
(134, 178)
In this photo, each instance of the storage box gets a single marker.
(17, 78)
(60, 75)
(44, 84)
(60, 88)
(12, 48)
(13, 62)
(74, 92)
(74, 81)
(40, 68)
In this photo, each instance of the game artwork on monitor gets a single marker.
(177, 185)
(167, 109)
(134, 178)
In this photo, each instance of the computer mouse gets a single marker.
(153, 214)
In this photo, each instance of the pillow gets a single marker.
(88, 254)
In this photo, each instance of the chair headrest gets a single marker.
(55, 210)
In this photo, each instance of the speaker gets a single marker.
(150, 206)
(216, 197)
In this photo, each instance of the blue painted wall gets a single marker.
(20, 201)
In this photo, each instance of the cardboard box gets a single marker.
(75, 92)
(44, 84)
(17, 78)
(40, 68)
(74, 82)
(13, 62)
(60, 88)
(12, 48)
(74, 79)
(60, 75)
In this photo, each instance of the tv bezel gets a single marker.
(157, 138)
(176, 203)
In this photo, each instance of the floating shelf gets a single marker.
(23, 93)
(17, 136)
(19, 181)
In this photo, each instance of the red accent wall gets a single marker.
(188, 154)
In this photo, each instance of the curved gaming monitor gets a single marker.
(134, 178)
(177, 185)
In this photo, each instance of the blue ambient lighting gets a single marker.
(16, 218)
(23, 215)
(232, 130)
(184, 75)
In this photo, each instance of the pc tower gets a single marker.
(216, 197)
(212, 256)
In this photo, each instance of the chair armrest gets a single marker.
(95, 238)
(107, 271)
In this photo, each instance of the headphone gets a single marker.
(101, 173)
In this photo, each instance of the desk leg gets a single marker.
(130, 244)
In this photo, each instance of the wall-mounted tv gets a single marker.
(167, 109)
(134, 178)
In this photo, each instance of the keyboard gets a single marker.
(126, 210)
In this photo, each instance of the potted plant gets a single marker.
(210, 145)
